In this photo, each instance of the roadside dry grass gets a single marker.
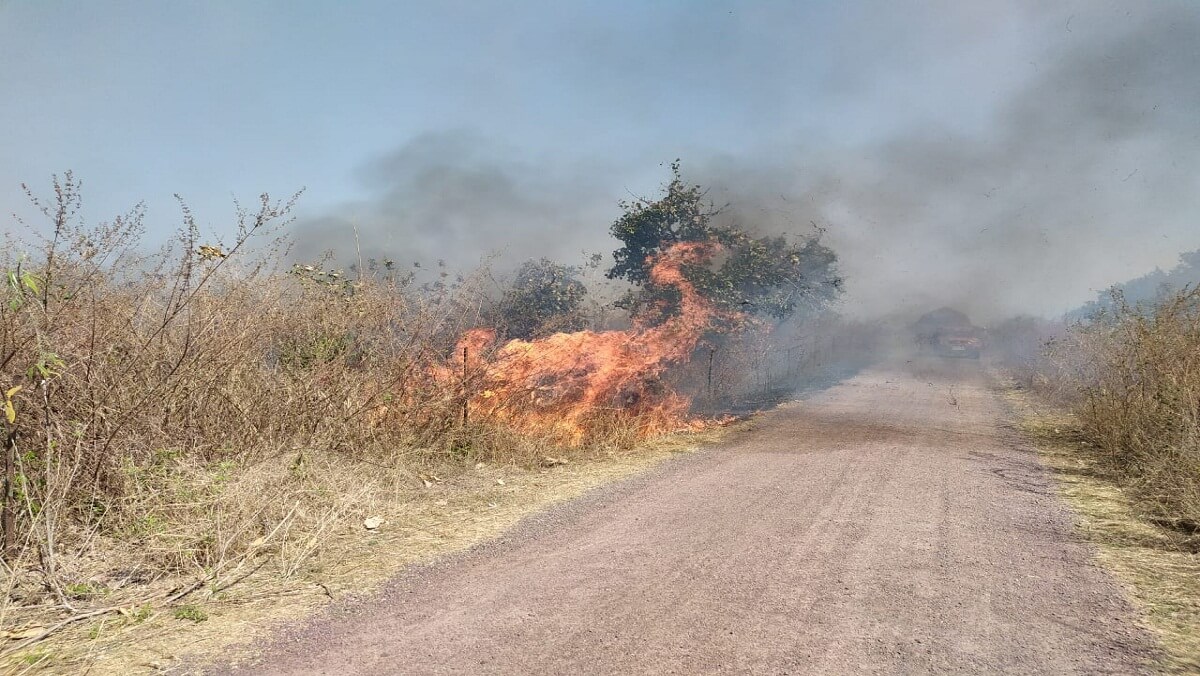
(1139, 382)
(460, 508)
(1159, 566)
(192, 435)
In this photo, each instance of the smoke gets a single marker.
(1086, 175)
(456, 197)
(1080, 172)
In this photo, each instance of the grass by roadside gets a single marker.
(1159, 566)
(459, 508)
(193, 435)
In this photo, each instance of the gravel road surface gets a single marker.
(894, 523)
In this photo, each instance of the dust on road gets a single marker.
(893, 523)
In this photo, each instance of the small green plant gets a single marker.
(47, 366)
(96, 631)
(223, 472)
(37, 657)
(139, 614)
(191, 612)
(147, 524)
(84, 590)
(21, 285)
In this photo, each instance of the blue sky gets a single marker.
(148, 98)
(584, 100)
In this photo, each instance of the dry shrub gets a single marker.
(179, 413)
(177, 421)
(1138, 369)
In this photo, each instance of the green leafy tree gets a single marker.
(545, 297)
(766, 276)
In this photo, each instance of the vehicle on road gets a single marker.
(946, 332)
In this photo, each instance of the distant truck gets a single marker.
(948, 333)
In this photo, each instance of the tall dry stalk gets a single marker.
(174, 414)
(1137, 369)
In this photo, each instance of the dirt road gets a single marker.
(893, 523)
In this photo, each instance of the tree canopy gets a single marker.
(544, 297)
(770, 276)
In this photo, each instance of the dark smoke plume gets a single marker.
(1084, 175)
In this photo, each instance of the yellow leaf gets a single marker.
(211, 253)
(10, 412)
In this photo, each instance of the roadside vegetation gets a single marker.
(1141, 403)
(1158, 565)
(179, 423)
(1130, 374)
(1116, 412)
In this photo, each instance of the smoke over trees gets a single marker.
(768, 276)
(1148, 288)
(1029, 197)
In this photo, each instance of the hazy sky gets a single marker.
(1007, 156)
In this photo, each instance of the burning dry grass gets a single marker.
(178, 425)
(566, 383)
(192, 436)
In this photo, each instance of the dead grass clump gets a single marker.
(170, 421)
(1140, 406)
(1125, 446)
(1159, 565)
(179, 422)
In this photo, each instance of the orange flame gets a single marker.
(556, 385)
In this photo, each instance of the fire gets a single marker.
(556, 385)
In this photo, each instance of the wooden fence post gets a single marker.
(711, 351)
